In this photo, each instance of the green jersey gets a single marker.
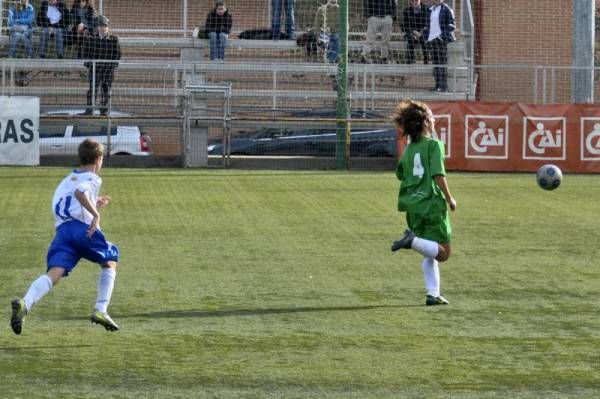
(420, 162)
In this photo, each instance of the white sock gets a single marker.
(106, 283)
(431, 275)
(427, 248)
(37, 290)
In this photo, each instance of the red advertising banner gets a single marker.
(518, 137)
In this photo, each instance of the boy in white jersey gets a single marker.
(75, 207)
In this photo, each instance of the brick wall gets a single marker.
(247, 14)
(536, 32)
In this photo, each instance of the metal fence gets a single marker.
(184, 14)
(276, 104)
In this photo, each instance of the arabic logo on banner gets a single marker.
(544, 138)
(443, 132)
(590, 139)
(486, 136)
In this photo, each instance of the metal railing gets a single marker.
(278, 81)
(275, 86)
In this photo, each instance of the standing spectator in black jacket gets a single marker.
(101, 46)
(414, 23)
(83, 22)
(439, 33)
(53, 19)
(380, 16)
(218, 25)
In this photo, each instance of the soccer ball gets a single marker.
(549, 177)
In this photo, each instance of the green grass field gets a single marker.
(282, 285)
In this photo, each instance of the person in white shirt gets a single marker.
(438, 34)
(52, 18)
(78, 235)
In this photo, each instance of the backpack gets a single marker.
(260, 34)
(309, 41)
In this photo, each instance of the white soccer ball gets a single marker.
(549, 177)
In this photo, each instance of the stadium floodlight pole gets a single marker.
(185, 18)
(582, 86)
(343, 124)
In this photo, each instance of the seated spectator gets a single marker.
(414, 23)
(218, 25)
(20, 21)
(82, 22)
(101, 46)
(380, 16)
(327, 26)
(277, 6)
(53, 18)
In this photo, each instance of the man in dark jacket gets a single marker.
(53, 19)
(414, 22)
(380, 15)
(439, 33)
(218, 25)
(101, 46)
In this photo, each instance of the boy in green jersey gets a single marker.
(424, 194)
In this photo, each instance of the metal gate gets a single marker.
(197, 119)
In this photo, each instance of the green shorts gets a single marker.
(433, 226)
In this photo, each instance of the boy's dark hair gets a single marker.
(415, 119)
(89, 151)
(219, 3)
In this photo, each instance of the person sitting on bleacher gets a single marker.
(83, 21)
(20, 21)
(218, 25)
(327, 26)
(52, 19)
(101, 46)
(380, 16)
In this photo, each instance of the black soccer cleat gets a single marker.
(19, 310)
(436, 300)
(405, 242)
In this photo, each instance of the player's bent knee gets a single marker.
(444, 253)
(110, 264)
(441, 257)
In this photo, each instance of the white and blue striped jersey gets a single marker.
(65, 206)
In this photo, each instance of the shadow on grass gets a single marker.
(168, 314)
(24, 348)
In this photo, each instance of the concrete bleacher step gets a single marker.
(259, 60)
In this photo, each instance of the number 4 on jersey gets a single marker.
(418, 169)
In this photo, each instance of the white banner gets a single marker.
(19, 130)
